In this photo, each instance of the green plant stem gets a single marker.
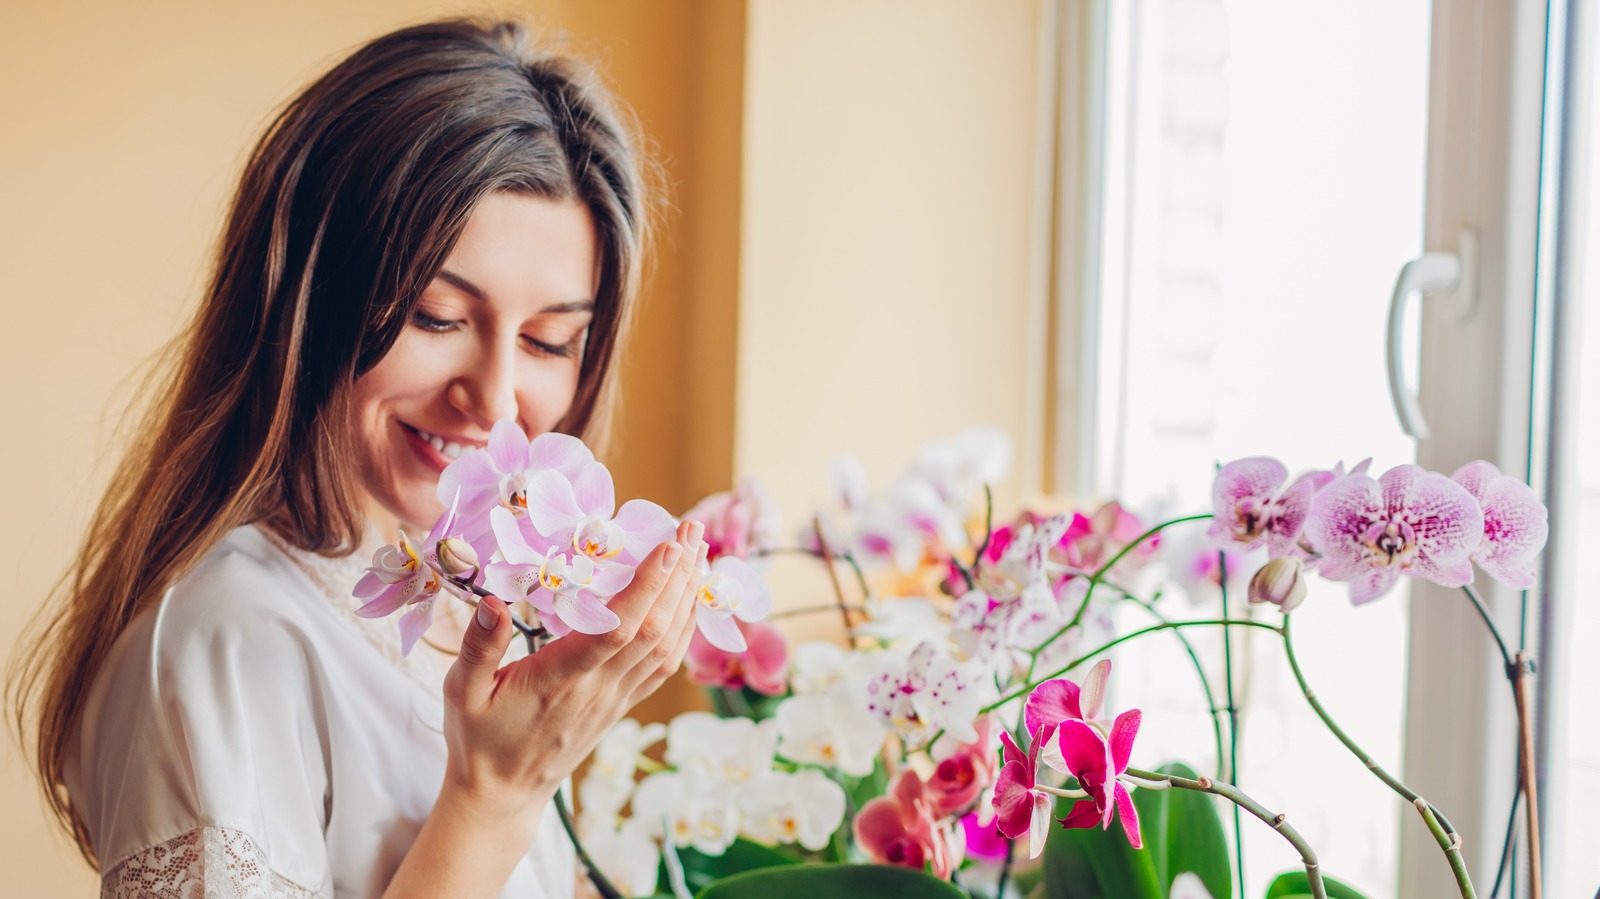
(1233, 794)
(1443, 831)
(1165, 626)
(1199, 669)
(1488, 621)
(1100, 575)
(1233, 717)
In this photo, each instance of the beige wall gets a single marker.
(122, 129)
(888, 196)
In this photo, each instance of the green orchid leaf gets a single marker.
(1295, 885)
(831, 881)
(1183, 831)
(1090, 863)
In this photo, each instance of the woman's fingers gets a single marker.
(665, 655)
(660, 568)
(470, 681)
(656, 625)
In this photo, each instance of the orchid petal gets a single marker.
(594, 491)
(1052, 702)
(756, 601)
(474, 478)
(1290, 512)
(1013, 791)
(1123, 731)
(609, 580)
(508, 446)
(508, 534)
(1371, 584)
(1448, 520)
(1082, 814)
(1093, 697)
(552, 507)
(878, 827)
(1012, 752)
(1129, 814)
(1340, 516)
(645, 526)
(387, 600)
(443, 526)
(1039, 826)
(585, 614)
(1086, 754)
(562, 453)
(414, 624)
(1258, 477)
(719, 629)
(1516, 527)
(510, 581)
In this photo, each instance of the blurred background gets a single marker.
(1140, 237)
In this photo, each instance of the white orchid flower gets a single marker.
(909, 620)
(815, 667)
(728, 751)
(832, 729)
(928, 694)
(696, 812)
(804, 807)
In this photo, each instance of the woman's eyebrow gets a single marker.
(476, 292)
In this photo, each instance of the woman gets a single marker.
(443, 231)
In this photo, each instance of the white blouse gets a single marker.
(252, 737)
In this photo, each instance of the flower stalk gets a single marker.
(1233, 794)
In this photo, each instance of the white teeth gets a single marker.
(438, 444)
(451, 450)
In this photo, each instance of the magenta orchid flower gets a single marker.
(1410, 521)
(1515, 524)
(1251, 507)
(729, 589)
(763, 666)
(1021, 806)
(406, 574)
(899, 829)
(569, 589)
(1099, 761)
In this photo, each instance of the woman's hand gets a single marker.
(515, 733)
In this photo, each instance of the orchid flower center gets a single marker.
(598, 539)
(1390, 543)
(1250, 517)
(559, 574)
(514, 492)
(720, 593)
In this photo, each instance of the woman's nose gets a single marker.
(487, 392)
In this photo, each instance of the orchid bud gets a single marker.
(458, 559)
(1280, 582)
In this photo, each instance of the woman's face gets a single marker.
(498, 334)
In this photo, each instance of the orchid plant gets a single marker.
(969, 700)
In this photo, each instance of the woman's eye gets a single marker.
(550, 349)
(434, 325)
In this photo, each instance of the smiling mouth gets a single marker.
(448, 448)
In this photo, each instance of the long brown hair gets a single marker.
(347, 208)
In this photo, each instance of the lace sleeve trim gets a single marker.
(207, 863)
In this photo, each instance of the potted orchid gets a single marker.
(963, 737)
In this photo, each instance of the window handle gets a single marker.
(1450, 278)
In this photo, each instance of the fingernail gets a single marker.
(696, 531)
(670, 557)
(487, 616)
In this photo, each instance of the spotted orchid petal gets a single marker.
(1410, 521)
(1515, 524)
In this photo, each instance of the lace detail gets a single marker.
(208, 863)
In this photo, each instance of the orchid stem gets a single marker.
(1488, 621)
(988, 525)
(1233, 716)
(528, 631)
(1100, 575)
(833, 576)
(1443, 831)
(1240, 800)
(811, 610)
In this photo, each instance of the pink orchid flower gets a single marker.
(963, 772)
(1058, 700)
(1251, 507)
(729, 589)
(570, 589)
(763, 666)
(983, 838)
(899, 829)
(1021, 805)
(498, 474)
(1098, 762)
(407, 575)
(1091, 540)
(738, 522)
(1515, 524)
(1409, 521)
